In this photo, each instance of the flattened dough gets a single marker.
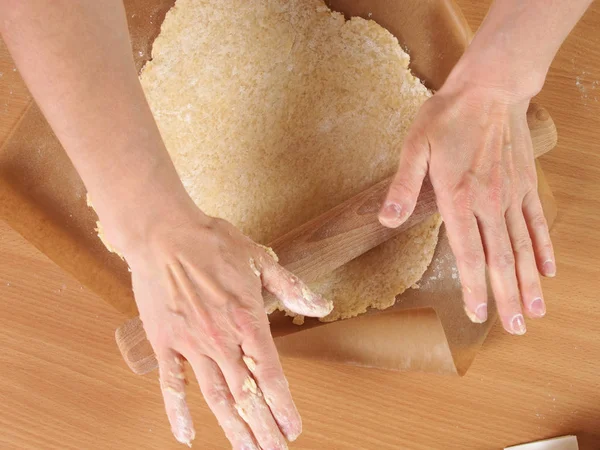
(275, 111)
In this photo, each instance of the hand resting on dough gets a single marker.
(472, 139)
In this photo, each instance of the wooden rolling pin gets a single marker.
(334, 238)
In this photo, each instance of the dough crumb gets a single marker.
(269, 251)
(254, 268)
(298, 320)
(250, 363)
(178, 394)
(100, 231)
(250, 386)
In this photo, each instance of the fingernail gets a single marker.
(289, 422)
(517, 325)
(185, 436)
(291, 432)
(549, 268)
(292, 437)
(390, 214)
(183, 427)
(537, 307)
(480, 314)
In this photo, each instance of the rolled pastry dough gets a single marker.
(275, 111)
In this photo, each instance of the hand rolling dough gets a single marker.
(275, 111)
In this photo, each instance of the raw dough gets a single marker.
(275, 111)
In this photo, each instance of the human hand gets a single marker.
(473, 141)
(197, 282)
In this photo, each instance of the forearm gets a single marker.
(517, 42)
(76, 59)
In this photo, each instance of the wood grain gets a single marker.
(57, 394)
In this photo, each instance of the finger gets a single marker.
(262, 360)
(250, 402)
(172, 385)
(287, 287)
(465, 241)
(501, 263)
(402, 195)
(221, 403)
(540, 234)
(526, 269)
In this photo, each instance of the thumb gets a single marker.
(402, 195)
(293, 293)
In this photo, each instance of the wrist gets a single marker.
(129, 220)
(499, 71)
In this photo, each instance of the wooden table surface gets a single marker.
(63, 384)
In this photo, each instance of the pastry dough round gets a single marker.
(275, 111)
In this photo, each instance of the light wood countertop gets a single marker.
(63, 384)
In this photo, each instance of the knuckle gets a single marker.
(212, 333)
(492, 221)
(272, 374)
(465, 192)
(547, 248)
(215, 235)
(538, 222)
(411, 146)
(544, 251)
(473, 261)
(463, 201)
(414, 144)
(215, 224)
(527, 187)
(522, 245)
(511, 304)
(216, 394)
(504, 260)
(497, 189)
(495, 197)
(516, 195)
(248, 321)
(400, 189)
(534, 287)
(208, 231)
(189, 340)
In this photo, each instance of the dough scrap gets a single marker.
(274, 111)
